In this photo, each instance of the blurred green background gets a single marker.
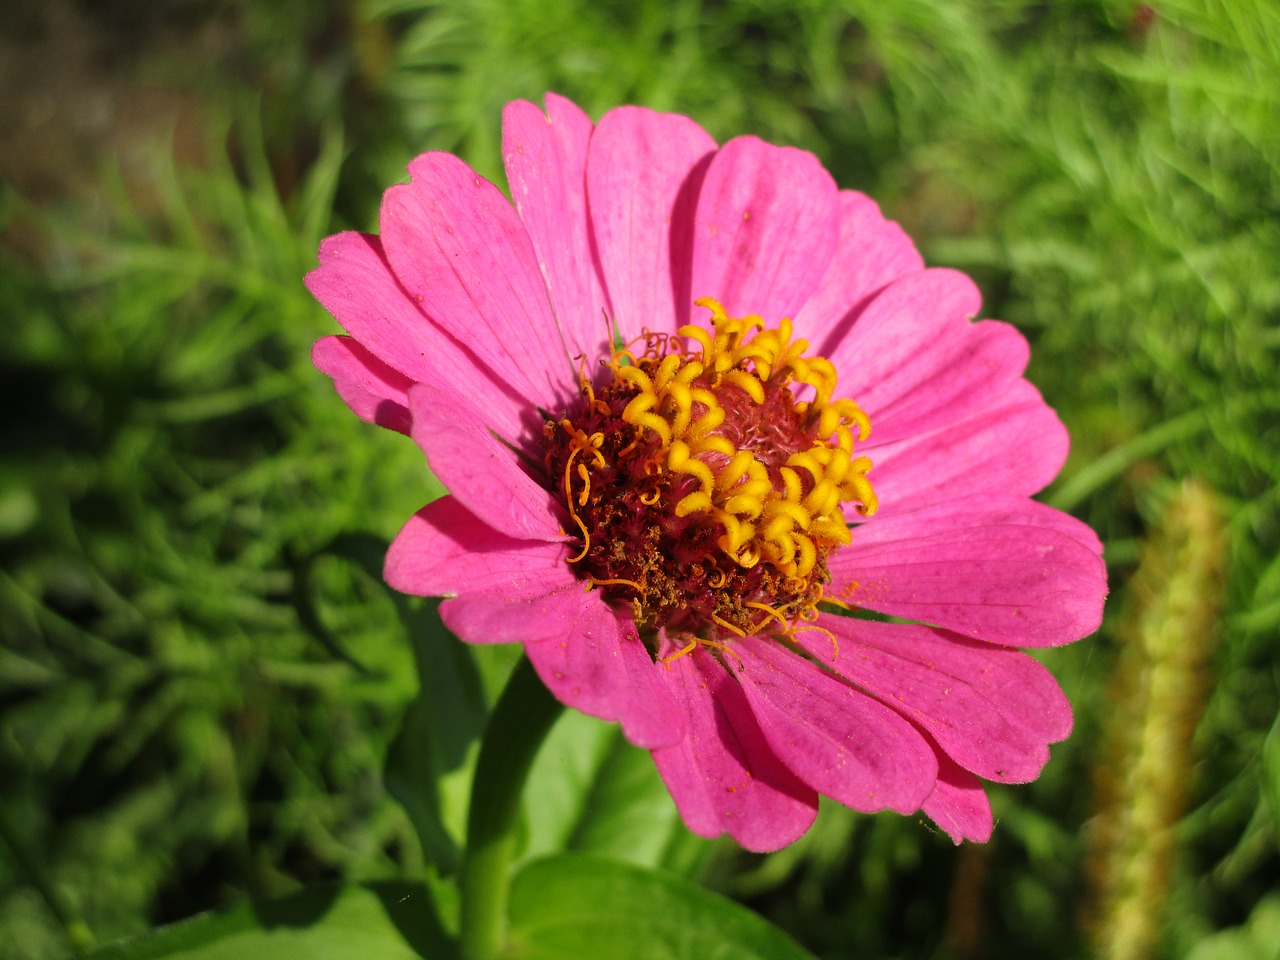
(201, 677)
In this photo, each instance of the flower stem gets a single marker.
(520, 721)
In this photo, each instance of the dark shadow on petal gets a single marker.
(682, 241)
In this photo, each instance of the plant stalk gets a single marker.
(519, 723)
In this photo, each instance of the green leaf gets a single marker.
(1271, 772)
(1257, 939)
(575, 906)
(429, 766)
(390, 921)
(598, 794)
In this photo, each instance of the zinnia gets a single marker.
(655, 384)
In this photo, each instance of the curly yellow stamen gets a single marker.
(586, 538)
(579, 442)
(770, 614)
(616, 581)
(835, 643)
(729, 626)
(693, 644)
(784, 515)
(704, 487)
(687, 648)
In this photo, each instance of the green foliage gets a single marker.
(1258, 939)
(576, 906)
(167, 712)
(432, 759)
(596, 794)
(205, 691)
(568, 907)
(395, 921)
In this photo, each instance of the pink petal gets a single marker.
(963, 376)
(834, 738)
(485, 474)
(544, 615)
(885, 354)
(507, 590)
(374, 391)
(870, 253)
(959, 805)
(765, 229)
(724, 776)
(600, 666)
(1012, 449)
(643, 174)
(1005, 570)
(461, 252)
(992, 709)
(354, 282)
(546, 162)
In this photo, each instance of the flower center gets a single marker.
(707, 495)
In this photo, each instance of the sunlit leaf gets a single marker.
(593, 792)
(576, 906)
(429, 767)
(393, 921)
(1271, 773)
(1257, 939)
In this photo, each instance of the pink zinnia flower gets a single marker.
(655, 384)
